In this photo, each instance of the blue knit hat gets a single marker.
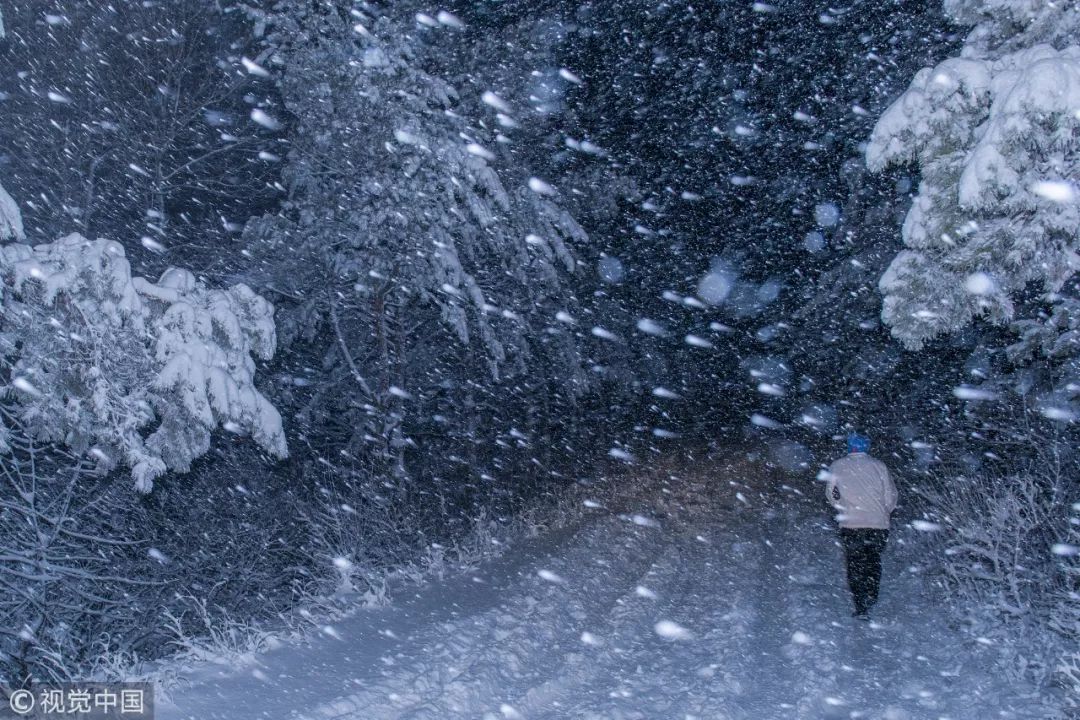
(858, 443)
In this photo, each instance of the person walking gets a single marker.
(861, 490)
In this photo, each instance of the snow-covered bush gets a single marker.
(136, 373)
(63, 565)
(1005, 565)
(996, 136)
(1065, 614)
(351, 545)
(210, 634)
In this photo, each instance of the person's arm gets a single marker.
(891, 496)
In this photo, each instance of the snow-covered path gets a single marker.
(686, 602)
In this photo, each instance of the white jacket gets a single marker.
(861, 490)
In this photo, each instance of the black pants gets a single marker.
(863, 547)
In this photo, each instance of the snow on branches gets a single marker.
(996, 136)
(1004, 26)
(11, 227)
(134, 372)
(404, 189)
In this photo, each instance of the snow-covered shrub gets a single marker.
(353, 538)
(1065, 614)
(357, 534)
(996, 136)
(64, 567)
(208, 634)
(1003, 565)
(134, 372)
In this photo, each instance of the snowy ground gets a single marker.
(686, 602)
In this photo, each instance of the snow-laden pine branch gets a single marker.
(996, 136)
(135, 372)
(11, 226)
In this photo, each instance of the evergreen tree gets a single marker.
(11, 227)
(996, 135)
(435, 264)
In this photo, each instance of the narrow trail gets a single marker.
(694, 599)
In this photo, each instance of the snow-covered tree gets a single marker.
(994, 234)
(135, 372)
(996, 136)
(1004, 26)
(11, 227)
(406, 213)
(397, 189)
